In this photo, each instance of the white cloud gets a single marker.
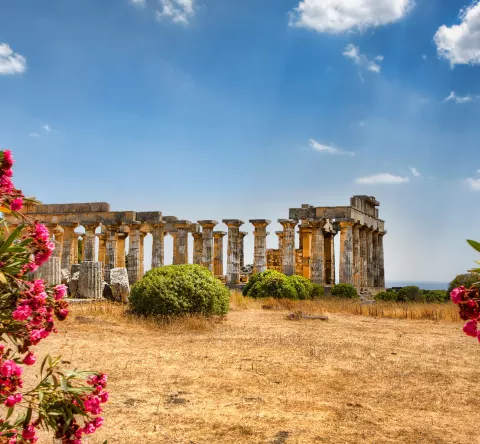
(473, 183)
(415, 172)
(458, 99)
(34, 135)
(353, 52)
(138, 2)
(424, 56)
(460, 44)
(11, 62)
(382, 179)
(336, 16)
(328, 149)
(47, 128)
(179, 11)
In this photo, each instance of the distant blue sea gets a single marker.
(422, 285)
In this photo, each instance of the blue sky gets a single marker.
(242, 109)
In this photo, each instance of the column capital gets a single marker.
(182, 224)
(208, 224)
(160, 224)
(233, 223)
(91, 226)
(317, 223)
(288, 223)
(242, 234)
(280, 233)
(260, 223)
(346, 223)
(196, 234)
(69, 224)
(219, 234)
(381, 233)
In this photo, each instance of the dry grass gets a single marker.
(256, 377)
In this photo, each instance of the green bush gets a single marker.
(467, 280)
(410, 293)
(317, 291)
(302, 285)
(179, 289)
(344, 291)
(390, 296)
(436, 296)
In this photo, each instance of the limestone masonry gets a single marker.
(361, 244)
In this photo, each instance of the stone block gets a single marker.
(65, 275)
(75, 269)
(50, 271)
(119, 284)
(73, 285)
(90, 281)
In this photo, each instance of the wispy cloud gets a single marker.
(47, 128)
(452, 97)
(415, 172)
(11, 62)
(139, 3)
(473, 183)
(34, 135)
(382, 179)
(460, 44)
(179, 11)
(336, 16)
(353, 52)
(328, 149)
(424, 56)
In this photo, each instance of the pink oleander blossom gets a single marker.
(9, 368)
(17, 204)
(29, 433)
(30, 359)
(60, 291)
(22, 313)
(13, 399)
(470, 328)
(7, 159)
(457, 294)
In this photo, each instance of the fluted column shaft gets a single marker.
(329, 262)
(181, 243)
(134, 254)
(306, 247)
(111, 243)
(218, 252)
(89, 243)
(158, 242)
(121, 250)
(142, 253)
(68, 247)
(375, 258)
(317, 265)
(357, 261)
(381, 261)
(76, 253)
(197, 247)
(281, 236)
(288, 250)
(363, 257)
(260, 245)
(346, 252)
(233, 253)
(207, 242)
(370, 264)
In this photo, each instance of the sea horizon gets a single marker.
(424, 285)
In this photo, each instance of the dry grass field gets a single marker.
(257, 377)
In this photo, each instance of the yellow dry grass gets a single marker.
(256, 377)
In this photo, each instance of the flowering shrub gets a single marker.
(468, 300)
(66, 402)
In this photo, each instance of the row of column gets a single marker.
(361, 255)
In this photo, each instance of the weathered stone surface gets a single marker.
(50, 271)
(260, 244)
(207, 245)
(75, 268)
(107, 291)
(90, 280)
(73, 285)
(218, 252)
(288, 250)
(119, 284)
(233, 253)
(65, 275)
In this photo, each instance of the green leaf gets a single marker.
(474, 244)
(15, 233)
(9, 413)
(28, 417)
(63, 383)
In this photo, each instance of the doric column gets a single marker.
(58, 232)
(197, 247)
(182, 241)
(260, 244)
(375, 258)
(306, 247)
(134, 254)
(241, 248)
(317, 251)
(207, 243)
(233, 253)
(175, 258)
(346, 252)
(89, 242)
(158, 242)
(69, 240)
(381, 260)
(281, 236)
(329, 262)
(363, 257)
(370, 264)
(288, 250)
(90, 280)
(76, 253)
(218, 252)
(111, 245)
(357, 261)
(121, 249)
(142, 253)
(102, 247)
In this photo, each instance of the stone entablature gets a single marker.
(361, 241)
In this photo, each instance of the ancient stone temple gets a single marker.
(361, 243)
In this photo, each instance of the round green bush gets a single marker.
(317, 291)
(344, 291)
(302, 285)
(389, 296)
(179, 289)
(410, 293)
(467, 280)
(436, 296)
(272, 284)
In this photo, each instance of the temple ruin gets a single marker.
(361, 243)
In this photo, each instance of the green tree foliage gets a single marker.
(344, 291)
(389, 296)
(467, 280)
(410, 293)
(177, 290)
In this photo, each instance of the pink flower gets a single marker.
(13, 399)
(7, 160)
(457, 294)
(60, 291)
(9, 368)
(41, 258)
(29, 433)
(98, 422)
(38, 286)
(22, 313)
(63, 313)
(103, 397)
(30, 359)
(89, 428)
(470, 328)
(17, 204)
